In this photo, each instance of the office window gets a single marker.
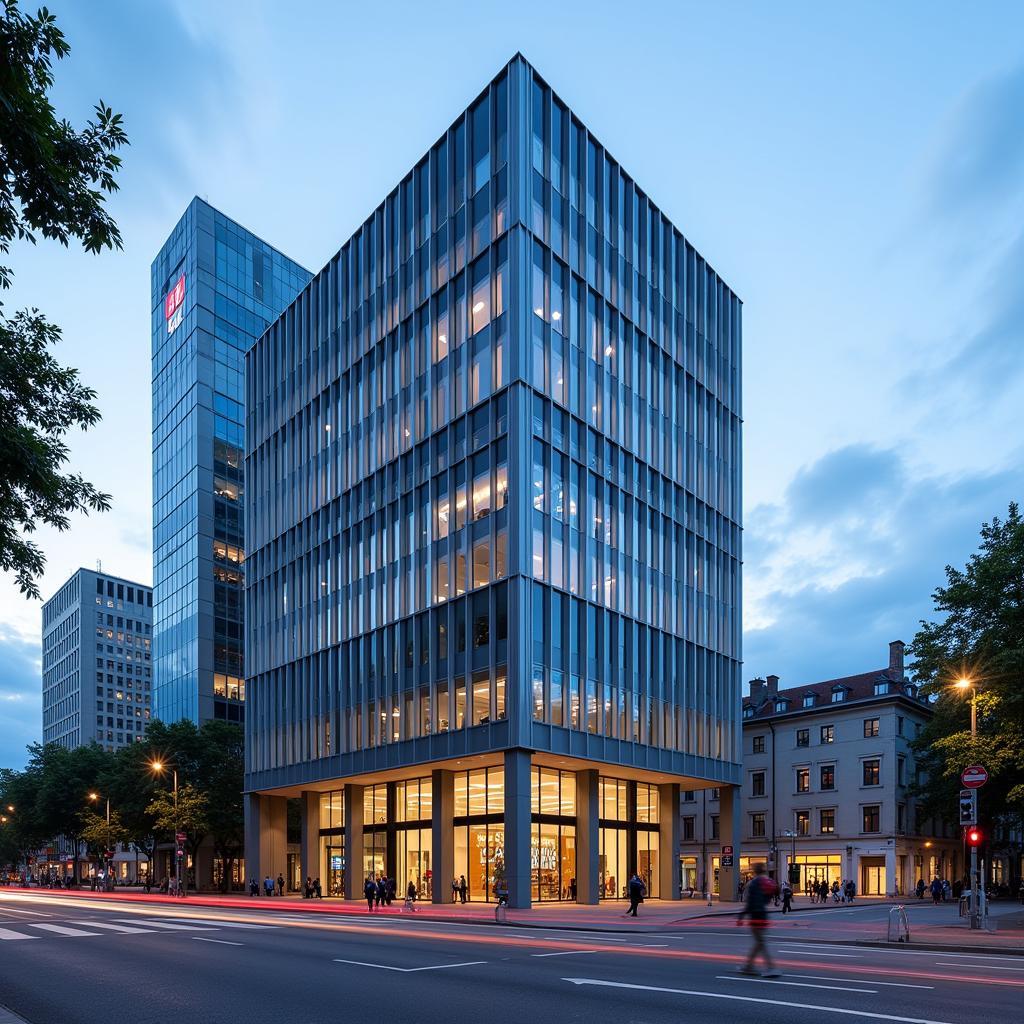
(758, 745)
(827, 821)
(828, 734)
(688, 828)
(870, 727)
(803, 823)
(757, 825)
(757, 784)
(803, 780)
(872, 772)
(803, 737)
(871, 818)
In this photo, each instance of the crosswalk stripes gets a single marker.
(59, 929)
(122, 929)
(7, 935)
(171, 927)
(87, 927)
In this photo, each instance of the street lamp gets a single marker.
(94, 797)
(159, 768)
(964, 683)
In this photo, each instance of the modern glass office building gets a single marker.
(96, 661)
(214, 288)
(493, 585)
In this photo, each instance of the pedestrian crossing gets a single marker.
(80, 928)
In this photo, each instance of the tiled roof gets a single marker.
(858, 687)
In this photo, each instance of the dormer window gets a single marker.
(809, 700)
(748, 711)
(781, 705)
(881, 689)
(838, 694)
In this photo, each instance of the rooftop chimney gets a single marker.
(896, 648)
(773, 684)
(756, 688)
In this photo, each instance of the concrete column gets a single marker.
(517, 826)
(266, 836)
(310, 850)
(729, 832)
(442, 834)
(668, 840)
(354, 842)
(588, 843)
(890, 871)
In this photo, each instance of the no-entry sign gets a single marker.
(974, 776)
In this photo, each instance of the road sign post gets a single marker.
(973, 777)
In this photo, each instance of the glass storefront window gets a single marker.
(332, 809)
(647, 864)
(334, 854)
(612, 799)
(647, 803)
(413, 862)
(612, 864)
(375, 804)
(413, 799)
(480, 858)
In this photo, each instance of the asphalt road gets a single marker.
(73, 961)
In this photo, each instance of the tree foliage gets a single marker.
(980, 638)
(53, 182)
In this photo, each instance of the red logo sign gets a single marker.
(974, 776)
(175, 297)
(726, 850)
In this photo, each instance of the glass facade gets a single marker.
(496, 506)
(214, 289)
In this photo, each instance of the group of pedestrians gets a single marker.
(312, 889)
(940, 889)
(379, 891)
(819, 891)
(270, 887)
(460, 890)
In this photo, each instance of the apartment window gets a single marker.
(838, 696)
(809, 700)
(781, 705)
(758, 745)
(713, 795)
(688, 796)
(901, 770)
(872, 772)
(757, 825)
(757, 784)
(803, 823)
(901, 818)
(803, 737)
(714, 826)
(748, 711)
(827, 821)
(872, 818)
(899, 725)
(870, 727)
(881, 689)
(828, 776)
(803, 780)
(828, 734)
(688, 828)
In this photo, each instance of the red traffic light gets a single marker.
(974, 837)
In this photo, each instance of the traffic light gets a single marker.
(974, 836)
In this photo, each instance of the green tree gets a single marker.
(53, 182)
(99, 835)
(221, 774)
(980, 638)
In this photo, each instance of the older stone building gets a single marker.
(827, 772)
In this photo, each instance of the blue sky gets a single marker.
(855, 172)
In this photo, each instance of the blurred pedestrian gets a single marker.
(636, 890)
(787, 897)
(370, 892)
(760, 890)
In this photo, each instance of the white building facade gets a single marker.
(827, 775)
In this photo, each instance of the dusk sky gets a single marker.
(856, 174)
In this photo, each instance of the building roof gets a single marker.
(764, 695)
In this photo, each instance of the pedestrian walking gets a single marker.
(268, 886)
(280, 885)
(410, 896)
(787, 898)
(637, 890)
(760, 889)
(317, 890)
(936, 890)
(851, 890)
(370, 892)
(455, 890)
(463, 888)
(919, 889)
(382, 889)
(254, 889)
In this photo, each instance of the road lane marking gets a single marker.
(569, 952)
(220, 942)
(651, 945)
(752, 999)
(983, 967)
(843, 956)
(174, 927)
(34, 913)
(410, 970)
(887, 984)
(8, 936)
(123, 928)
(217, 923)
(900, 952)
(794, 984)
(59, 929)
